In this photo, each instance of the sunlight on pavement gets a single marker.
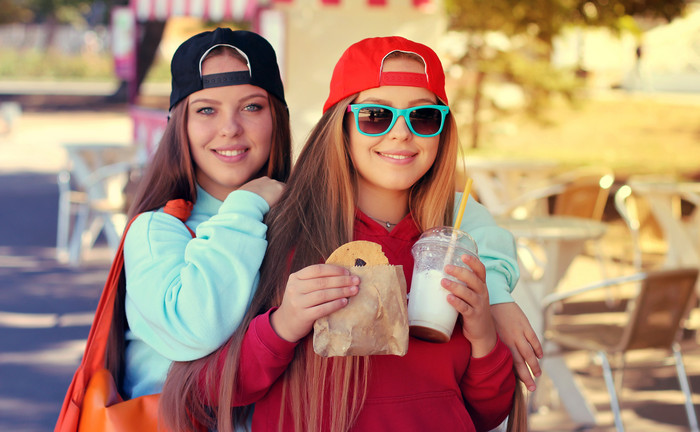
(19, 262)
(20, 408)
(64, 354)
(35, 143)
(41, 320)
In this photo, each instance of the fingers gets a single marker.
(327, 307)
(475, 264)
(523, 372)
(516, 332)
(530, 351)
(320, 271)
(312, 292)
(472, 288)
(473, 273)
(534, 342)
(323, 283)
(528, 355)
(270, 190)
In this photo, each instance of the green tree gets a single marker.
(11, 12)
(73, 12)
(48, 12)
(531, 26)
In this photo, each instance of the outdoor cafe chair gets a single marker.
(578, 193)
(647, 241)
(663, 218)
(651, 319)
(100, 206)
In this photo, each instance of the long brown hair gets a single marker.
(171, 175)
(307, 224)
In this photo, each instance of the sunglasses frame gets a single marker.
(396, 113)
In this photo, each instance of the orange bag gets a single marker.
(92, 402)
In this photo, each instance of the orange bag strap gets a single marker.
(94, 356)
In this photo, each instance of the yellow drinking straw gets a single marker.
(463, 202)
(458, 221)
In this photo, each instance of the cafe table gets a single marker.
(508, 185)
(559, 239)
(681, 234)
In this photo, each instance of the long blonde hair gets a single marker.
(306, 225)
(517, 419)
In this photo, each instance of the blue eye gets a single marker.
(206, 110)
(253, 107)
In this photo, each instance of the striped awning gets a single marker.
(223, 10)
(214, 10)
(416, 3)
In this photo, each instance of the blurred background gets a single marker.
(548, 94)
(515, 68)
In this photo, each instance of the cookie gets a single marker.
(358, 254)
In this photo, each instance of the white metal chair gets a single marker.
(580, 193)
(10, 112)
(663, 218)
(100, 205)
(652, 319)
(647, 242)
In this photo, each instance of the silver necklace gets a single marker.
(387, 224)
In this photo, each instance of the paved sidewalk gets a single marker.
(45, 308)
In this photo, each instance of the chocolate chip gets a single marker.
(360, 263)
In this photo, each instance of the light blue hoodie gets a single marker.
(185, 296)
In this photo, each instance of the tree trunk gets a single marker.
(51, 26)
(476, 107)
(150, 33)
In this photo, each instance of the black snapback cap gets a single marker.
(186, 64)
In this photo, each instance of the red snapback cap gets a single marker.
(360, 68)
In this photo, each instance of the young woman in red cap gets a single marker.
(226, 151)
(378, 166)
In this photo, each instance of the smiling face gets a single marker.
(388, 165)
(229, 129)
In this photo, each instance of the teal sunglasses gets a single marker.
(376, 120)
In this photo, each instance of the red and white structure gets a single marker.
(225, 10)
(308, 37)
(211, 10)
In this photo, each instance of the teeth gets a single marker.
(230, 152)
(393, 156)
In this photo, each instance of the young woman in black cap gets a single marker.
(225, 154)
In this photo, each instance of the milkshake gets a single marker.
(430, 316)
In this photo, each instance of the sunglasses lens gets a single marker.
(374, 120)
(426, 121)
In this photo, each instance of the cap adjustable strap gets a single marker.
(410, 79)
(225, 79)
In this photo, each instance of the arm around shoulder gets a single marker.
(496, 250)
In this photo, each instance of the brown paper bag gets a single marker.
(375, 321)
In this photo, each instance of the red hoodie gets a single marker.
(433, 387)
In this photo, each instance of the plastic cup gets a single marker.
(430, 316)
